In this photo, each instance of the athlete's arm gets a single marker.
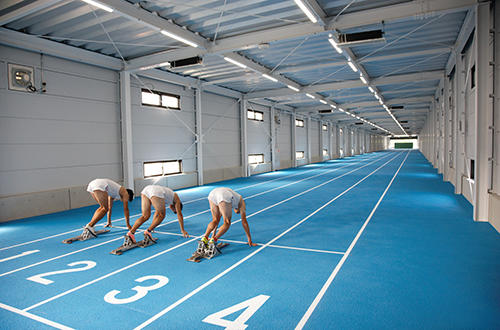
(110, 207)
(244, 222)
(180, 218)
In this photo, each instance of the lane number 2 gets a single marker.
(40, 277)
(250, 306)
(141, 291)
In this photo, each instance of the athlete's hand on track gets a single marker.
(251, 243)
(108, 225)
(185, 234)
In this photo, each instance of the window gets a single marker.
(299, 122)
(341, 131)
(255, 115)
(324, 127)
(256, 159)
(472, 169)
(160, 100)
(473, 77)
(325, 153)
(162, 168)
(299, 155)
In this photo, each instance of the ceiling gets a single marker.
(273, 37)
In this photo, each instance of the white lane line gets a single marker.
(163, 224)
(34, 317)
(215, 278)
(189, 241)
(273, 246)
(328, 282)
(25, 253)
(137, 215)
(370, 156)
(86, 248)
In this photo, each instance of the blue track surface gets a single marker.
(372, 241)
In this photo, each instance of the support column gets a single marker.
(273, 139)
(244, 137)
(446, 118)
(308, 132)
(293, 147)
(330, 144)
(460, 108)
(199, 135)
(126, 129)
(483, 113)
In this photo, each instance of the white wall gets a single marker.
(53, 144)
(221, 130)
(284, 137)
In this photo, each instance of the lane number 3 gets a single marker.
(141, 291)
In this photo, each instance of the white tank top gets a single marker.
(107, 185)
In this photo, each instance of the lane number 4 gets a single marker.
(250, 306)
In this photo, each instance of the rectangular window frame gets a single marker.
(325, 152)
(253, 114)
(300, 155)
(255, 162)
(163, 172)
(299, 123)
(324, 128)
(161, 104)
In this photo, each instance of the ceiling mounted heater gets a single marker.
(351, 39)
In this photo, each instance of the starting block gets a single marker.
(85, 235)
(207, 252)
(128, 244)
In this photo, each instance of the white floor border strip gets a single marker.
(35, 317)
(328, 282)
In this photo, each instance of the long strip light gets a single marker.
(309, 95)
(363, 79)
(335, 46)
(353, 67)
(99, 5)
(306, 10)
(176, 37)
(293, 88)
(323, 101)
(269, 77)
(230, 60)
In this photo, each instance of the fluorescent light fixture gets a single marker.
(380, 101)
(269, 77)
(309, 95)
(332, 106)
(377, 97)
(322, 101)
(176, 37)
(353, 67)
(371, 89)
(98, 5)
(306, 10)
(340, 109)
(293, 88)
(363, 80)
(334, 45)
(230, 60)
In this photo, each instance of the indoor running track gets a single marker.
(376, 240)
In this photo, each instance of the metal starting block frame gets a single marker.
(85, 235)
(207, 252)
(129, 245)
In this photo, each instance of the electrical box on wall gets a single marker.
(21, 78)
